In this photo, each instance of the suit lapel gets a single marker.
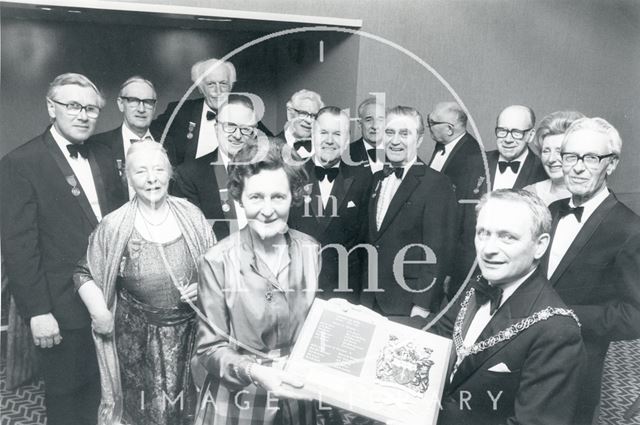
(409, 183)
(70, 177)
(524, 175)
(453, 153)
(582, 237)
(492, 159)
(373, 205)
(99, 183)
(340, 188)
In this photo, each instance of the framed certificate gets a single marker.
(356, 359)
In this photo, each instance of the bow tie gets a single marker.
(75, 150)
(305, 143)
(486, 293)
(440, 148)
(211, 115)
(374, 155)
(566, 210)
(514, 165)
(329, 173)
(140, 140)
(388, 170)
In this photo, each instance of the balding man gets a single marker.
(594, 256)
(513, 165)
(302, 109)
(193, 131)
(458, 155)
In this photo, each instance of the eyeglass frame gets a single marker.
(67, 106)
(583, 157)
(223, 124)
(507, 132)
(304, 114)
(137, 101)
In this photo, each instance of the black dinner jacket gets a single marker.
(196, 181)
(182, 137)
(598, 279)
(422, 211)
(544, 364)
(358, 152)
(531, 171)
(347, 227)
(45, 228)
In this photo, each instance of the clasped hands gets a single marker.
(277, 382)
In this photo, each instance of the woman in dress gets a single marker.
(548, 142)
(255, 289)
(139, 281)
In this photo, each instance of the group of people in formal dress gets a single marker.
(165, 268)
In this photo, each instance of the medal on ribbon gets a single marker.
(75, 189)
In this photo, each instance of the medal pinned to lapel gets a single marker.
(192, 126)
(120, 166)
(375, 191)
(226, 208)
(480, 181)
(75, 189)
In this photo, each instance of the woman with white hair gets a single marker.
(139, 281)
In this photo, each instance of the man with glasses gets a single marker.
(514, 165)
(137, 102)
(54, 191)
(204, 181)
(301, 112)
(369, 149)
(457, 154)
(594, 258)
(193, 130)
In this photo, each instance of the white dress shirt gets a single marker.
(241, 217)
(440, 158)
(82, 171)
(207, 139)
(127, 136)
(376, 165)
(290, 138)
(569, 227)
(325, 185)
(389, 186)
(507, 179)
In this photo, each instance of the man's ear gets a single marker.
(120, 103)
(290, 114)
(542, 243)
(51, 109)
(613, 164)
(532, 134)
(420, 139)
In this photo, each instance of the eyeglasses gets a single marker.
(135, 102)
(304, 114)
(590, 160)
(230, 127)
(75, 108)
(434, 123)
(515, 133)
(220, 85)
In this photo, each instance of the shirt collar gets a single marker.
(593, 203)
(317, 163)
(61, 141)
(510, 288)
(127, 134)
(520, 158)
(452, 144)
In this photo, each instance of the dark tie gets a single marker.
(373, 154)
(329, 173)
(514, 165)
(305, 143)
(211, 115)
(440, 148)
(388, 170)
(566, 210)
(486, 293)
(75, 150)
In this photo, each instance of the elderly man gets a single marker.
(193, 132)
(514, 165)
(412, 225)
(204, 181)
(302, 109)
(518, 350)
(458, 155)
(137, 102)
(369, 148)
(594, 259)
(55, 189)
(335, 212)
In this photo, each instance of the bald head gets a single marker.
(519, 112)
(514, 130)
(447, 122)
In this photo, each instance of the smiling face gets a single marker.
(137, 117)
(372, 124)
(505, 245)
(330, 138)
(266, 199)
(301, 116)
(232, 119)
(514, 118)
(75, 128)
(148, 172)
(550, 156)
(216, 85)
(401, 139)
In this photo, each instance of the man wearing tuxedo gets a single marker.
(55, 189)
(412, 225)
(335, 210)
(204, 180)
(369, 148)
(518, 353)
(458, 155)
(302, 109)
(137, 102)
(594, 258)
(513, 165)
(192, 133)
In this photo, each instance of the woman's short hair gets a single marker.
(71, 78)
(540, 215)
(147, 147)
(553, 124)
(267, 154)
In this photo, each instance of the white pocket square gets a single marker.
(350, 204)
(500, 367)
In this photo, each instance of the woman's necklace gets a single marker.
(148, 222)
